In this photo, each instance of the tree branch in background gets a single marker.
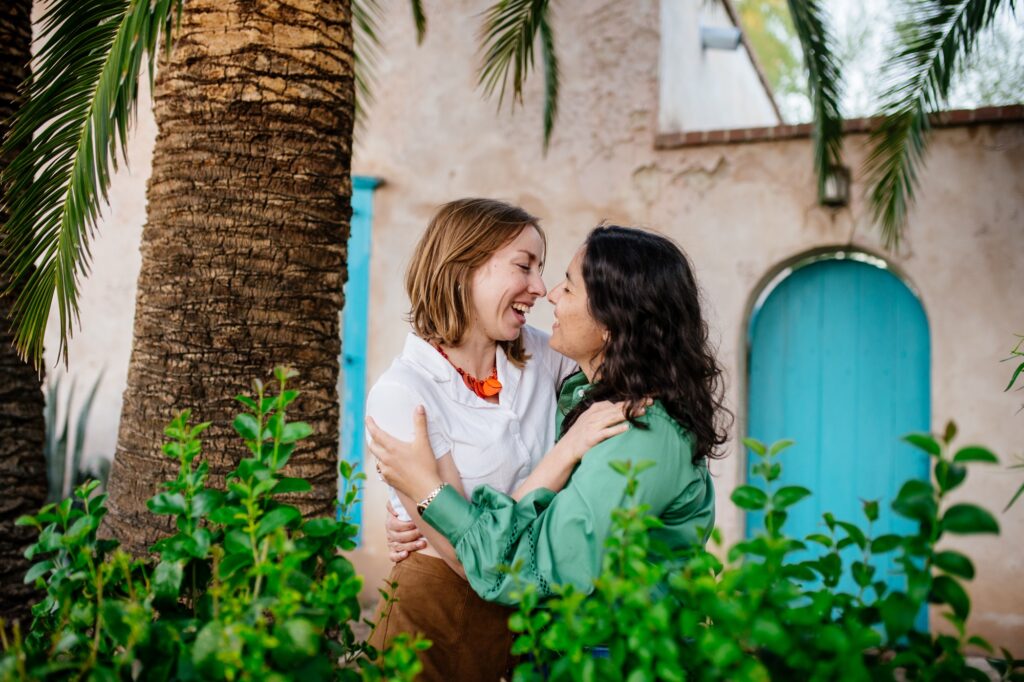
(936, 36)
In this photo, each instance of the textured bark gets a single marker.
(22, 429)
(243, 254)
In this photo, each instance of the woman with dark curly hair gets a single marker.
(629, 314)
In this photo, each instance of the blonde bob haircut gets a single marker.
(461, 237)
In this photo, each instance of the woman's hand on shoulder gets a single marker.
(598, 423)
(410, 468)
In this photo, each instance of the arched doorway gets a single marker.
(839, 361)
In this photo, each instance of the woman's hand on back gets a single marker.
(403, 536)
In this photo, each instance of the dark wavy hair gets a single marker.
(641, 287)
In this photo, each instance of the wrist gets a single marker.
(421, 507)
(424, 487)
(567, 453)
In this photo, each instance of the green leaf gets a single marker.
(292, 485)
(509, 31)
(949, 475)
(789, 495)
(925, 442)
(854, 533)
(237, 542)
(232, 563)
(750, 498)
(318, 528)
(822, 540)
(954, 563)
(862, 573)
(935, 40)
(778, 446)
(756, 446)
(898, 614)
(946, 590)
(975, 453)
(870, 509)
(295, 431)
(247, 401)
(916, 500)
(967, 519)
(205, 501)
(246, 426)
(950, 433)
(620, 466)
(167, 503)
(167, 579)
(37, 571)
(824, 82)
(885, 543)
(277, 518)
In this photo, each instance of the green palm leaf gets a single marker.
(508, 35)
(824, 83)
(936, 36)
(64, 140)
(366, 18)
(420, 19)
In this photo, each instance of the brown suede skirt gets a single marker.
(470, 639)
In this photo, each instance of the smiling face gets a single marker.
(505, 287)
(576, 334)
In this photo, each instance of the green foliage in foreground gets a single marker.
(246, 589)
(772, 610)
(243, 589)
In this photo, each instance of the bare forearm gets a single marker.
(552, 472)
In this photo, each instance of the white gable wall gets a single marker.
(706, 89)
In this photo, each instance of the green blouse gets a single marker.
(559, 538)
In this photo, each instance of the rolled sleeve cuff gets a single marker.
(450, 514)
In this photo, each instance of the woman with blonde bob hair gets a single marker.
(488, 383)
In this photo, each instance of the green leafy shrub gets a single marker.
(244, 589)
(772, 609)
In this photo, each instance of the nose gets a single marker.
(537, 287)
(553, 295)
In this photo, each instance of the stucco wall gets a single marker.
(739, 211)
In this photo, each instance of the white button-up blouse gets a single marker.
(494, 443)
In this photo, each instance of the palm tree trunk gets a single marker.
(243, 254)
(22, 430)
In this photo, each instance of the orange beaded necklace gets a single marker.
(485, 388)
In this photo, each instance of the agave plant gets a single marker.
(65, 469)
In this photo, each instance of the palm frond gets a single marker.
(64, 140)
(366, 19)
(419, 17)
(936, 36)
(551, 77)
(824, 83)
(507, 38)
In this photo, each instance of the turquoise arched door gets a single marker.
(840, 363)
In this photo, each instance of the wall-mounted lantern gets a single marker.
(836, 192)
(719, 37)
